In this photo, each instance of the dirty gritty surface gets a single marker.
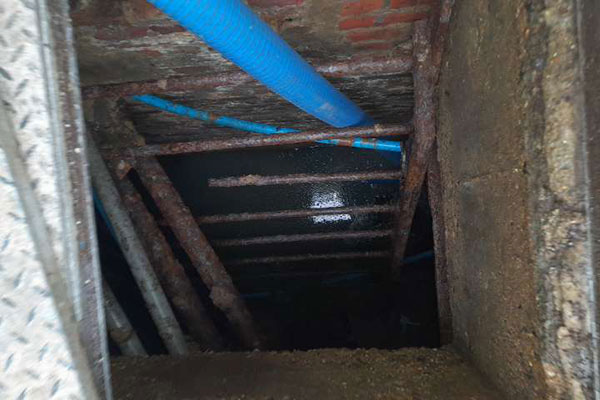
(320, 374)
(483, 155)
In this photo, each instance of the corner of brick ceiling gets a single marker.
(123, 41)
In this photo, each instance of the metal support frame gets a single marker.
(422, 142)
(308, 257)
(78, 194)
(294, 179)
(52, 311)
(286, 214)
(36, 300)
(172, 276)
(399, 64)
(222, 290)
(304, 237)
(257, 141)
(435, 191)
(429, 42)
(135, 254)
(119, 327)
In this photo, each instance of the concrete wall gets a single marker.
(511, 138)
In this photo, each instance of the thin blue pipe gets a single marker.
(233, 29)
(165, 105)
(103, 215)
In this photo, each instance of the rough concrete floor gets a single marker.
(318, 374)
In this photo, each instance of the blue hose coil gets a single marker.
(165, 105)
(233, 29)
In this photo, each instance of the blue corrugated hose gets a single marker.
(233, 29)
(382, 145)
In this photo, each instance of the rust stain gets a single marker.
(283, 214)
(399, 64)
(256, 140)
(425, 75)
(223, 293)
(171, 274)
(293, 179)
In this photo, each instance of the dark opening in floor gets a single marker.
(304, 303)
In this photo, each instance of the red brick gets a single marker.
(374, 46)
(404, 17)
(402, 3)
(136, 11)
(120, 33)
(150, 53)
(395, 34)
(410, 3)
(348, 24)
(361, 7)
(165, 30)
(274, 3)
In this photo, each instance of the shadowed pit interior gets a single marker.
(291, 269)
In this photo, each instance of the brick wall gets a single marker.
(375, 24)
(380, 24)
(125, 40)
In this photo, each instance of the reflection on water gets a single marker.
(328, 200)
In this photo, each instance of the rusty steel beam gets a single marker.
(118, 326)
(255, 141)
(305, 237)
(420, 150)
(222, 291)
(294, 179)
(134, 252)
(284, 214)
(441, 34)
(399, 64)
(308, 257)
(434, 191)
(172, 276)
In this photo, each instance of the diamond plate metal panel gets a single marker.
(43, 268)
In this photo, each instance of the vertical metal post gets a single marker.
(434, 191)
(171, 274)
(56, 297)
(134, 253)
(84, 262)
(36, 307)
(119, 327)
(422, 142)
(222, 291)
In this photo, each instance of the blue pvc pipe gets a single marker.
(382, 145)
(103, 215)
(233, 29)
